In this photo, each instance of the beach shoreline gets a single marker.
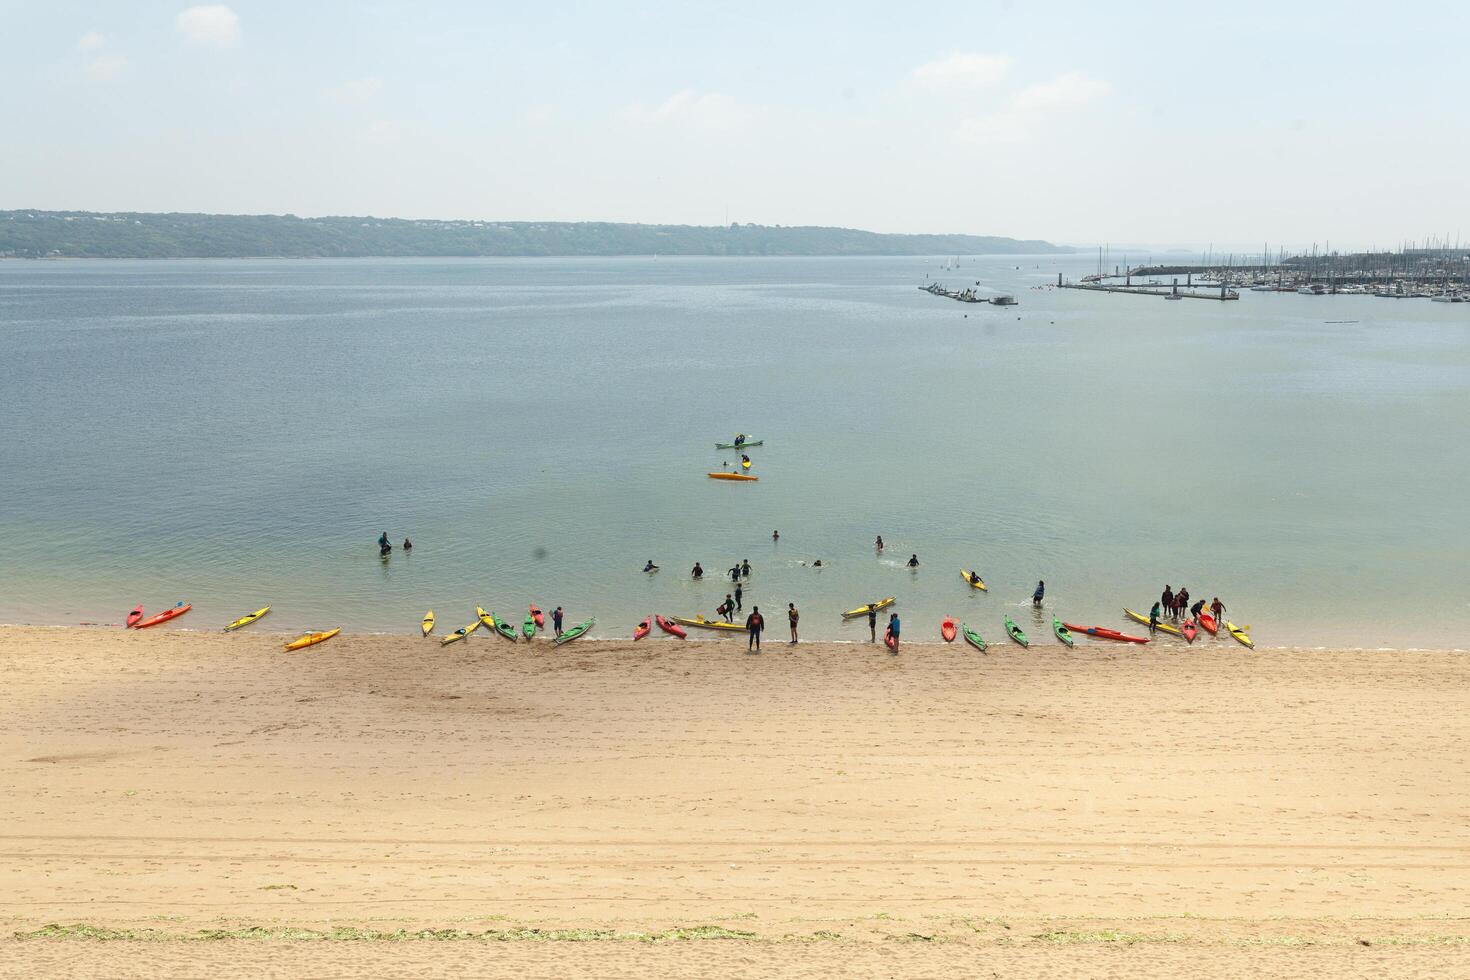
(185, 802)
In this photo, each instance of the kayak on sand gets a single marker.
(1103, 633)
(946, 629)
(973, 638)
(670, 627)
(1060, 629)
(574, 632)
(164, 616)
(312, 639)
(710, 624)
(1240, 634)
(1208, 624)
(428, 624)
(1015, 633)
(1188, 629)
(247, 620)
(643, 629)
(134, 616)
(457, 635)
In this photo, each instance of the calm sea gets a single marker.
(237, 433)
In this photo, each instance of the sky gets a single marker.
(1081, 123)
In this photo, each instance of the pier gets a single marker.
(1154, 289)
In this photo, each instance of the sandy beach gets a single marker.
(190, 804)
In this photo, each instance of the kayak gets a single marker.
(746, 477)
(528, 627)
(1060, 629)
(134, 616)
(643, 629)
(745, 464)
(505, 629)
(312, 639)
(458, 634)
(889, 639)
(483, 619)
(247, 620)
(1139, 618)
(164, 616)
(1240, 634)
(965, 573)
(1015, 632)
(1188, 629)
(946, 629)
(1207, 622)
(539, 617)
(670, 627)
(1103, 633)
(710, 624)
(574, 632)
(428, 623)
(871, 607)
(743, 445)
(973, 638)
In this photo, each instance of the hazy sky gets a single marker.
(1076, 122)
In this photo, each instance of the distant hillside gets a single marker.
(88, 234)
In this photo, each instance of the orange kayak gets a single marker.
(312, 639)
(1208, 622)
(670, 627)
(734, 476)
(643, 628)
(164, 616)
(946, 629)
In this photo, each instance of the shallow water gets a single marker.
(239, 432)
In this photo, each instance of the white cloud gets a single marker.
(211, 23)
(381, 131)
(1028, 108)
(354, 91)
(964, 71)
(105, 68)
(706, 110)
(90, 41)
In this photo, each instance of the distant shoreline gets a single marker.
(37, 234)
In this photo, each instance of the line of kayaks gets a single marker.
(535, 620)
(1189, 630)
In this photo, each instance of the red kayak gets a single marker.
(134, 616)
(1104, 633)
(1208, 622)
(890, 639)
(671, 627)
(643, 628)
(165, 616)
(539, 617)
(1187, 628)
(946, 629)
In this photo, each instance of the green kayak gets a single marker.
(529, 626)
(743, 445)
(972, 638)
(505, 629)
(1063, 634)
(575, 632)
(1015, 632)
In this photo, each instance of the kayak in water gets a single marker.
(643, 629)
(1240, 634)
(1060, 629)
(670, 627)
(1188, 629)
(247, 620)
(971, 637)
(946, 629)
(1103, 633)
(871, 607)
(538, 616)
(975, 581)
(134, 616)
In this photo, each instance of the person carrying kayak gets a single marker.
(738, 593)
(872, 623)
(1037, 596)
(1167, 600)
(913, 561)
(754, 623)
(697, 572)
(793, 616)
(1153, 620)
(556, 620)
(893, 626)
(650, 567)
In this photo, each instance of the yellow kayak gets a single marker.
(428, 622)
(864, 610)
(247, 620)
(733, 476)
(710, 624)
(312, 639)
(486, 620)
(458, 634)
(979, 583)
(1240, 634)
(1163, 627)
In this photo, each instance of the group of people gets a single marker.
(738, 571)
(385, 548)
(1172, 605)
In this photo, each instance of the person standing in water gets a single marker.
(738, 593)
(879, 544)
(697, 572)
(1153, 620)
(745, 568)
(383, 541)
(754, 623)
(1167, 600)
(1218, 608)
(1181, 600)
(872, 623)
(407, 546)
(1037, 596)
(775, 535)
(556, 620)
(913, 561)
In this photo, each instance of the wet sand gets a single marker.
(611, 809)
